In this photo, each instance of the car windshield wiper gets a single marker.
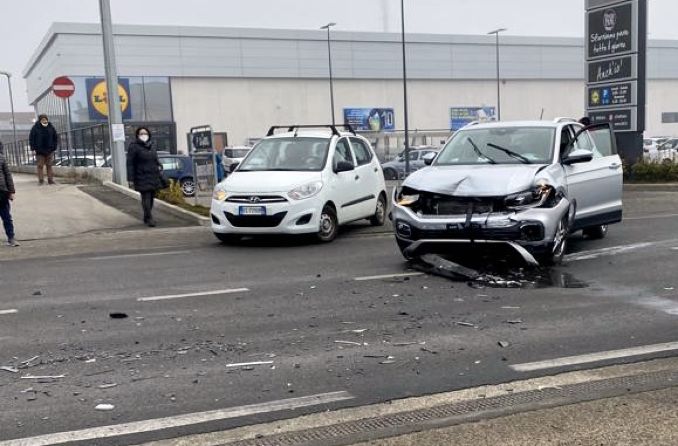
(510, 153)
(480, 153)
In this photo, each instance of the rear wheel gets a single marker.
(595, 232)
(329, 225)
(379, 217)
(188, 187)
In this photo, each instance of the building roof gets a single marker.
(180, 51)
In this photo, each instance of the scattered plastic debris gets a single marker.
(350, 343)
(466, 324)
(104, 407)
(514, 321)
(503, 344)
(108, 386)
(249, 364)
(43, 377)
(118, 315)
(9, 369)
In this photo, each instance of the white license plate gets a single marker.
(252, 210)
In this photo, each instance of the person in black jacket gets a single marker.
(43, 140)
(144, 171)
(6, 195)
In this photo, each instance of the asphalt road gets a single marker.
(194, 308)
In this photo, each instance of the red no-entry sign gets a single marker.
(63, 87)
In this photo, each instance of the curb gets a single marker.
(651, 187)
(170, 208)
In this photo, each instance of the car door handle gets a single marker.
(357, 177)
(615, 166)
(376, 169)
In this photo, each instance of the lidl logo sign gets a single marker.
(97, 94)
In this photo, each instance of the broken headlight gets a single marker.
(407, 197)
(539, 196)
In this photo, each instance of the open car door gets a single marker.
(597, 184)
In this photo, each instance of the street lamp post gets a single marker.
(11, 105)
(405, 115)
(329, 58)
(496, 34)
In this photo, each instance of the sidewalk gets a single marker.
(44, 212)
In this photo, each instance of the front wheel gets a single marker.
(379, 217)
(595, 232)
(329, 225)
(555, 256)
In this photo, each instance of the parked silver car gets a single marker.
(395, 169)
(526, 185)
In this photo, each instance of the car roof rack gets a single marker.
(564, 119)
(294, 128)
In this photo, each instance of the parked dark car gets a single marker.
(179, 168)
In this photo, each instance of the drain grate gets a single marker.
(456, 413)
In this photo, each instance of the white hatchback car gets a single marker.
(301, 181)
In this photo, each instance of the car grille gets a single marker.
(442, 205)
(255, 221)
(265, 199)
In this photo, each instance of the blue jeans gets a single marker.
(6, 216)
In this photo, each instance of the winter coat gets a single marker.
(143, 166)
(43, 140)
(6, 181)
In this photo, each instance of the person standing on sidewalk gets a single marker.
(43, 140)
(6, 196)
(144, 171)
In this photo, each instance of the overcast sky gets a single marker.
(25, 22)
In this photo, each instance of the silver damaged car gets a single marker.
(525, 185)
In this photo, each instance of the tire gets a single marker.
(379, 217)
(187, 187)
(390, 174)
(555, 256)
(329, 225)
(595, 232)
(227, 239)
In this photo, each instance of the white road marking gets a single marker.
(131, 256)
(594, 357)
(612, 250)
(387, 276)
(157, 424)
(11, 311)
(198, 294)
(651, 217)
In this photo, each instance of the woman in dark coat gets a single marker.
(144, 171)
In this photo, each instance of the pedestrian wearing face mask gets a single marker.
(43, 140)
(144, 171)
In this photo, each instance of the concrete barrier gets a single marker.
(85, 174)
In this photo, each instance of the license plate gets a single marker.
(252, 210)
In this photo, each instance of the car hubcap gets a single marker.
(559, 239)
(381, 210)
(326, 225)
(188, 188)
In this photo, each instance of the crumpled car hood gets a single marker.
(475, 181)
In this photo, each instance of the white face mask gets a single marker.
(144, 138)
(44, 124)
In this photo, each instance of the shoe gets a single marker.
(150, 223)
(52, 183)
(41, 183)
(13, 243)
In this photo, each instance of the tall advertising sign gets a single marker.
(616, 44)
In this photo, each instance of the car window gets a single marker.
(414, 155)
(170, 164)
(602, 138)
(363, 154)
(287, 154)
(343, 152)
(500, 145)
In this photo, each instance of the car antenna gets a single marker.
(541, 116)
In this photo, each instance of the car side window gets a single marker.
(602, 138)
(343, 152)
(169, 164)
(363, 154)
(414, 155)
(566, 137)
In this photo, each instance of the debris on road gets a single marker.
(118, 315)
(514, 321)
(104, 407)
(435, 264)
(108, 386)
(249, 364)
(360, 331)
(507, 307)
(27, 362)
(503, 344)
(9, 369)
(350, 343)
(43, 377)
(466, 324)
(37, 293)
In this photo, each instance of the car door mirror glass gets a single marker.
(578, 156)
(343, 166)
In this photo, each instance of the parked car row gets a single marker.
(395, 169)
(523, 185)
(660, 149)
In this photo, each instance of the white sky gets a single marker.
(25, 22)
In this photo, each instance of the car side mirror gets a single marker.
(429, 158)
(343, 166)
(578, 156)
(233, 167)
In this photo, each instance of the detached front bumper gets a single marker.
(529, 232)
